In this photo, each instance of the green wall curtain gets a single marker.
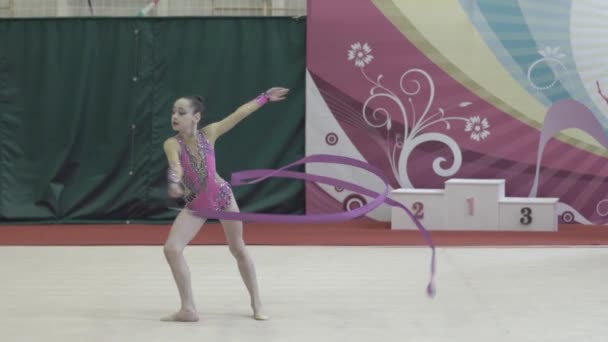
(85, 106)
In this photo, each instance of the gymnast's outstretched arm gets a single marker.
(217, 129)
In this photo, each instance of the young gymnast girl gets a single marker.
(192, 175)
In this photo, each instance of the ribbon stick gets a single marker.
(144, 11)
(256, 176)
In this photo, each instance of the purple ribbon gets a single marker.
(255, 176)
(562, 115)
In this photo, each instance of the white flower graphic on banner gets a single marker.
(478, 128)
(414, 83)
(361, 54)
(549, 52)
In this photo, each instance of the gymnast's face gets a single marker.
(183, 118)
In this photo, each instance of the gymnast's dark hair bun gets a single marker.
(197, 103)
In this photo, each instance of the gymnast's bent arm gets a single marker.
(175, 172)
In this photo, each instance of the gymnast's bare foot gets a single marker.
(182, 316)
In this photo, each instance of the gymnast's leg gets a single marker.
(234, 236)
(184, 229)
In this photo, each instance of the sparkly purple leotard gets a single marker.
(203, 190)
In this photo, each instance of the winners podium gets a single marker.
(473, 204)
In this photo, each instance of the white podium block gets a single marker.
(528, 214)
(473, 204)
(426, 204)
